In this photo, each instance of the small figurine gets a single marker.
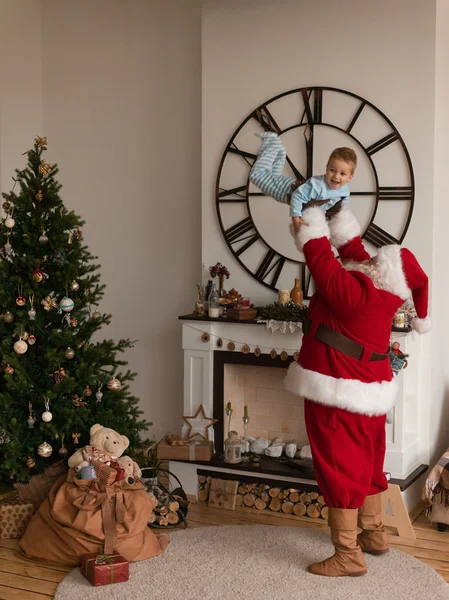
(398, 358)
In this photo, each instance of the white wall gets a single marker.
(439, 394)
(20, 84)
(116, 88)
(256, 49)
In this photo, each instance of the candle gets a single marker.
(245, 412)
(228, 406)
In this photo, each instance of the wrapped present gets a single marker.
(223, 493)
(14, 517)
(102, 569)
(36, 490)
(194, 451)
(105, 474)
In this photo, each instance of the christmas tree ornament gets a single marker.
(284, 355)
(96, 314)
(4, 437)
(32, 314)
(9, 370)
(204, 338)
(69, 353)
(43, 239)
(41, 142)
(73, 322)
(257, 351)
(39, 196)
(20, 347)
(66, 304)
(44, 450)
(99, 395)
(38, 276)
(45, 168)
(6, 206)
(31, 462)
(74, 286)
(219, 343)
(76, 438)
(8, 247)
(231, 346)
(77, 401)
(114, 385)
(47, 416)
(246, 349)
(273, 353)
(8, 317)
(9, 222)
(31, 340)
(87, 391)
(50, 302)
(20, 301)
(25, 336)
(63, 452)
(30, 419)
(59, 375)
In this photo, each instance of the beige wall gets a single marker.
(121, 108)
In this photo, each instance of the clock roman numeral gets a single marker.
(271, 261)
(241, 231)
(396, 193)
(246, 155)
(378, 237)
(314, 114)
(266, 119)
(237, 191)
(383, 143)
(356, 116)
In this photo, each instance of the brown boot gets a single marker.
(373, 538)
(348, 558)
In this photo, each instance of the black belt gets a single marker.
(340, 342)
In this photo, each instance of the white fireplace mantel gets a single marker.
(406, 443)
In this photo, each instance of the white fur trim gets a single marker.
(349, 394)
(421, 325)
(389, 263)
(316, 227)
(344, 227)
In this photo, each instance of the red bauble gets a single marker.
(38, 276)
(20, 301)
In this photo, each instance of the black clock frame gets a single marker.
(246, 229)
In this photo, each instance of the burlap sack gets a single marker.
(83, 516)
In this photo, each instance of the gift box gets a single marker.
(102, 569)
(195, 451)
(223, 493)
(105, 474)
(15, 514)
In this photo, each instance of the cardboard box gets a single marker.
(101, 569)
(242, 314)
(15, 515)
(223, 493)
(196, 451)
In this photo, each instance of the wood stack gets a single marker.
(260, 496)
(165, 511)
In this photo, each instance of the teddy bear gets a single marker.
(131, 468)
(106, 445)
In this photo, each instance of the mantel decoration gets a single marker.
(221, 271)
(283, 317)
(199, 424)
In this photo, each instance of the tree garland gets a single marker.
(283, 312)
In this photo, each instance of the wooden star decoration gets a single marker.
(201, 419)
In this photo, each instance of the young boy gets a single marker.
(325, 190)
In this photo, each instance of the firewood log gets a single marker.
(286, 492)
(314, 495)
(305, 498)
(281, 496)
(294, 497)
(163, 510)
(313, 511)
(248, 499)
(162, 521)
(287, 508)
(325, 512)
(152, 518)
(275, 504)
(202, 478)
(242, 489)
(274, 492)
(320, 500)
(202, 495)
(260, 504)
(299, 509)
(265, 496)
(173, 506)
(239, 500)
(172, 518)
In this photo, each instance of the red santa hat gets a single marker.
(401, 273)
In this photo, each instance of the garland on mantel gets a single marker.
(289, 312)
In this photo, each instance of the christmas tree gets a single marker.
(55, 383)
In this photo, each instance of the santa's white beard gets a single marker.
(368, 268)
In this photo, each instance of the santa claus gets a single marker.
(344, 374)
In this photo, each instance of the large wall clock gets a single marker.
(312, 122)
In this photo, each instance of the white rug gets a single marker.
(253, 562)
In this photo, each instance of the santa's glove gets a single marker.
(316, 227)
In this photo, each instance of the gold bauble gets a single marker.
(74, 286)
(114, 385)
(73, 322)
(69, 353)
(9, 370)
(8, 317)
(30, 462)
(6, 205)
(87, 391)
(39, 196)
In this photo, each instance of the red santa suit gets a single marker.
(347, 398)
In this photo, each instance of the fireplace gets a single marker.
(208, 364)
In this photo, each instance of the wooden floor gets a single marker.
(22, 580)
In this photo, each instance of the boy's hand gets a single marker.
(297, 223)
